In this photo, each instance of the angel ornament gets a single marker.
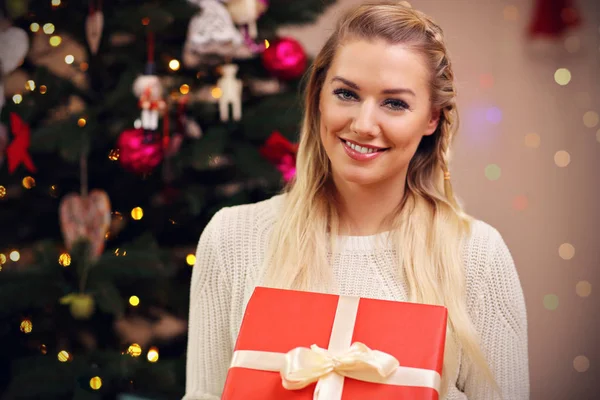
(247, 12)
(15, 45)
(210, 32)
(231, 93)
(149, 90)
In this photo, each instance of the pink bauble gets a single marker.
(285, 58)
(140, 151)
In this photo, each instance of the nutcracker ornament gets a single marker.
(148, 88)
(231, 93)
(142, 149)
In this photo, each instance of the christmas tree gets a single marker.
(125, 126)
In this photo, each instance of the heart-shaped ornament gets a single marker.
(87, 218)
(15, 45)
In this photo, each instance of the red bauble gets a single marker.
(285, 58)
(140, 151)
(552, 18)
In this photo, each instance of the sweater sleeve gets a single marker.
(209, 345)
(499, 315)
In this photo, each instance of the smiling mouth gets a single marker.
(363, 149)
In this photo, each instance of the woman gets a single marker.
(371, 213)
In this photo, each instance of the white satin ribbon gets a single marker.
(303, 366)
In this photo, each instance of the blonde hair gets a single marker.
(428, 226)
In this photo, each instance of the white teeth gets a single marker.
(360, 149)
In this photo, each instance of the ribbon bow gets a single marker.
(17, 149)
(304, 366)
(279, 151)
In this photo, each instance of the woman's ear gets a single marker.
(433, 123)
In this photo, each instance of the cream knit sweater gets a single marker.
(231, 250)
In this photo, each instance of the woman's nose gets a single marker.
(365, 122)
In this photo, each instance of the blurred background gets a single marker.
(130, 123)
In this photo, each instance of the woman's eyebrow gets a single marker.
(385, 91)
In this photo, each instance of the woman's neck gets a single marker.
(363, 210)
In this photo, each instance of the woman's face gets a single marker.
(375, 96)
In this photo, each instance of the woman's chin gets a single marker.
(362, 178)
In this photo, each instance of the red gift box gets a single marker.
(302, 345)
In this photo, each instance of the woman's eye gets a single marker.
(392, 104)
(396, 104)
(344, 94)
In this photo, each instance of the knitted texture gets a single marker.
(228, 260)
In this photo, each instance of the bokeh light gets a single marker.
(581, 363)
(64, 356)
(190, 259)
(562, 76)
(216, 92)
(48, 29)
(591, 119)
(583, 288)
(64, 259)
(15, 255)
(53, 191)
(134, 350)
(55, 41)
(486, 81)
(532, 140)
(26, 326)
(137, 213)
(134, 301)
(562, 158)
(551, 302)
(520, 203)
(493, 115)
(174, 64)
(114, 154)
(96, 383)
(28, 182)
(566, 251)
(153, 354)
(493, 172)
